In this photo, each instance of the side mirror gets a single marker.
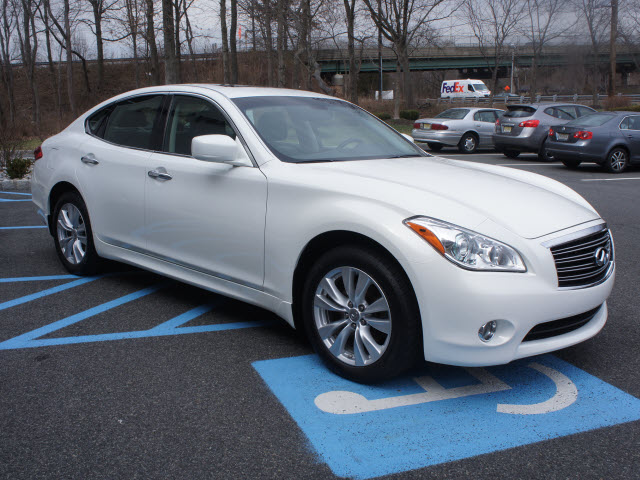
(219, 149)
(408, 137)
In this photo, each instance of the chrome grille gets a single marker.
(584, 261)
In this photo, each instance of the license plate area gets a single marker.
(426, 126)
(563, 137)
(506, 128)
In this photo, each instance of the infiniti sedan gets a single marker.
(465, 128)
(312, 208)
(611, 139)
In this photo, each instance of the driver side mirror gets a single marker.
(219, 149)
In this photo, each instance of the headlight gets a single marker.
(466, 248)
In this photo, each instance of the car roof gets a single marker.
(547, 104)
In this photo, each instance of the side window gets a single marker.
(634, 122)
(624, 125)
(582, 111)
(97, 122)
(191, 117)
(551, 111)
(566, 113)
(485, 116)
(131, 122)
(470, 88)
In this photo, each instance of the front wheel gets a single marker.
(468, 143)
(617, 161)
(361, 315)
(435, 147)
(511, 153)
(73, 236)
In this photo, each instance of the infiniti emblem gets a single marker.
(601, 256)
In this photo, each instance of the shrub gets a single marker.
(18, 167)
(410, 114)
(630, 108)
(383, 115)
(616, 103)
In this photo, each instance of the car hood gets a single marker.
(527, 204)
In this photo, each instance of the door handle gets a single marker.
(89, 159)
(159, 175)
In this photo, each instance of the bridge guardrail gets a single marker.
(583, 99)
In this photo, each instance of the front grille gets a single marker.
(559, 327)
(577, 263)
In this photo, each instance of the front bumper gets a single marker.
(454, 305)
(442, 137)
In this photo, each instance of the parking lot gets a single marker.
(131, 375)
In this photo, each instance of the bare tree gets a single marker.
(7, 28)
(171, 71)
(225, 41)
(493, 22)
(400, 21)
(99, 8)
(544, 26)
(25, 11)
(232, 42)
(150, 38)
(595, 16)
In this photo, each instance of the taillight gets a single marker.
(529, 123)
(551, 132)
(37, 153)
(438, 126)
(416, 125)
(497, 122)
(583, 135)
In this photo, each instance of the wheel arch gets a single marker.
(319, 245)
(56, 192)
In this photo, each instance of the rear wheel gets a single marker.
(617, 161)
(361, 315)
(571, 163)
(511, 153)
(468, 143)
(435, 147)
(543, 154)
(73, 236)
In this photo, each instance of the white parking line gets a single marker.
(527, 164)
(608, 179)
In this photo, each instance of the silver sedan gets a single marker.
(466, 128)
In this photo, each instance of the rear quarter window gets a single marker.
(132, 122)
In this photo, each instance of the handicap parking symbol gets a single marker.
(441, 414)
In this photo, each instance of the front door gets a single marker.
(202, 215)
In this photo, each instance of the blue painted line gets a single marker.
(388, 440)
(36, 279)
(12, 200)
(22, 228)
(25, 340)
(49, 291)
(16, 193)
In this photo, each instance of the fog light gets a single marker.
(487, 330)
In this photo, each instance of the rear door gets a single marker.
(113, 165)
(484, 123)
(630, 128)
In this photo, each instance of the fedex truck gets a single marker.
(464, 89)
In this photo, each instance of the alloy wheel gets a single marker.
(352, 316)
(72, 233)
(618, 160)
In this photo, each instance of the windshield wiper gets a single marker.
(406, 156)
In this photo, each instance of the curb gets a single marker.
(16, 185)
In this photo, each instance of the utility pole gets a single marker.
(513, 58)
(612, 48)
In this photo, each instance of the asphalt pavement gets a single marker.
(131, 375)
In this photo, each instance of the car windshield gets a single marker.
(480, 87)
(592, 120)
(453, 113)
(307, 129)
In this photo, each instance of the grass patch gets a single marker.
(29, 144)
(401, 125)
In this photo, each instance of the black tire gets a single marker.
(468, 143)
(617, 160)
(543, 154)
(571, 163)
(404, 338)
(435, 147)
(511, 153)
(90, 261)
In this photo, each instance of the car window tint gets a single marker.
(584, 111)
(485, 116)
(131, 122)
(96, 123)
(567, 111)
(191, 117)
(634, 122)
(520, 112)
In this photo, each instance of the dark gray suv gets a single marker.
(524, 128)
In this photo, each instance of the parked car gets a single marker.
(466, 128)
(464, 89)
(314, 209)
(525, 127)
(611, 139)
(505, 95)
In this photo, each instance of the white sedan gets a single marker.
(312, 208)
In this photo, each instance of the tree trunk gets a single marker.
(281, 18)
(396, 92)
(269, 38)
(232, 42)
(52, 73)
(151, 43)
(177, 18)
(69, 53)
(352, 90)
(97, 18)
(407, 88)
(225, 42)
(170, 61)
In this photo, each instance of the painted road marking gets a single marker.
(478, 411)
(609, 179)
(16, 193)
(38, 279)
(527, 164)
(48, 291)
(13, 200)
(21, 228)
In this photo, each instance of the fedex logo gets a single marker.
(455, 88)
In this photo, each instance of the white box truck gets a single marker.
(464, 89)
